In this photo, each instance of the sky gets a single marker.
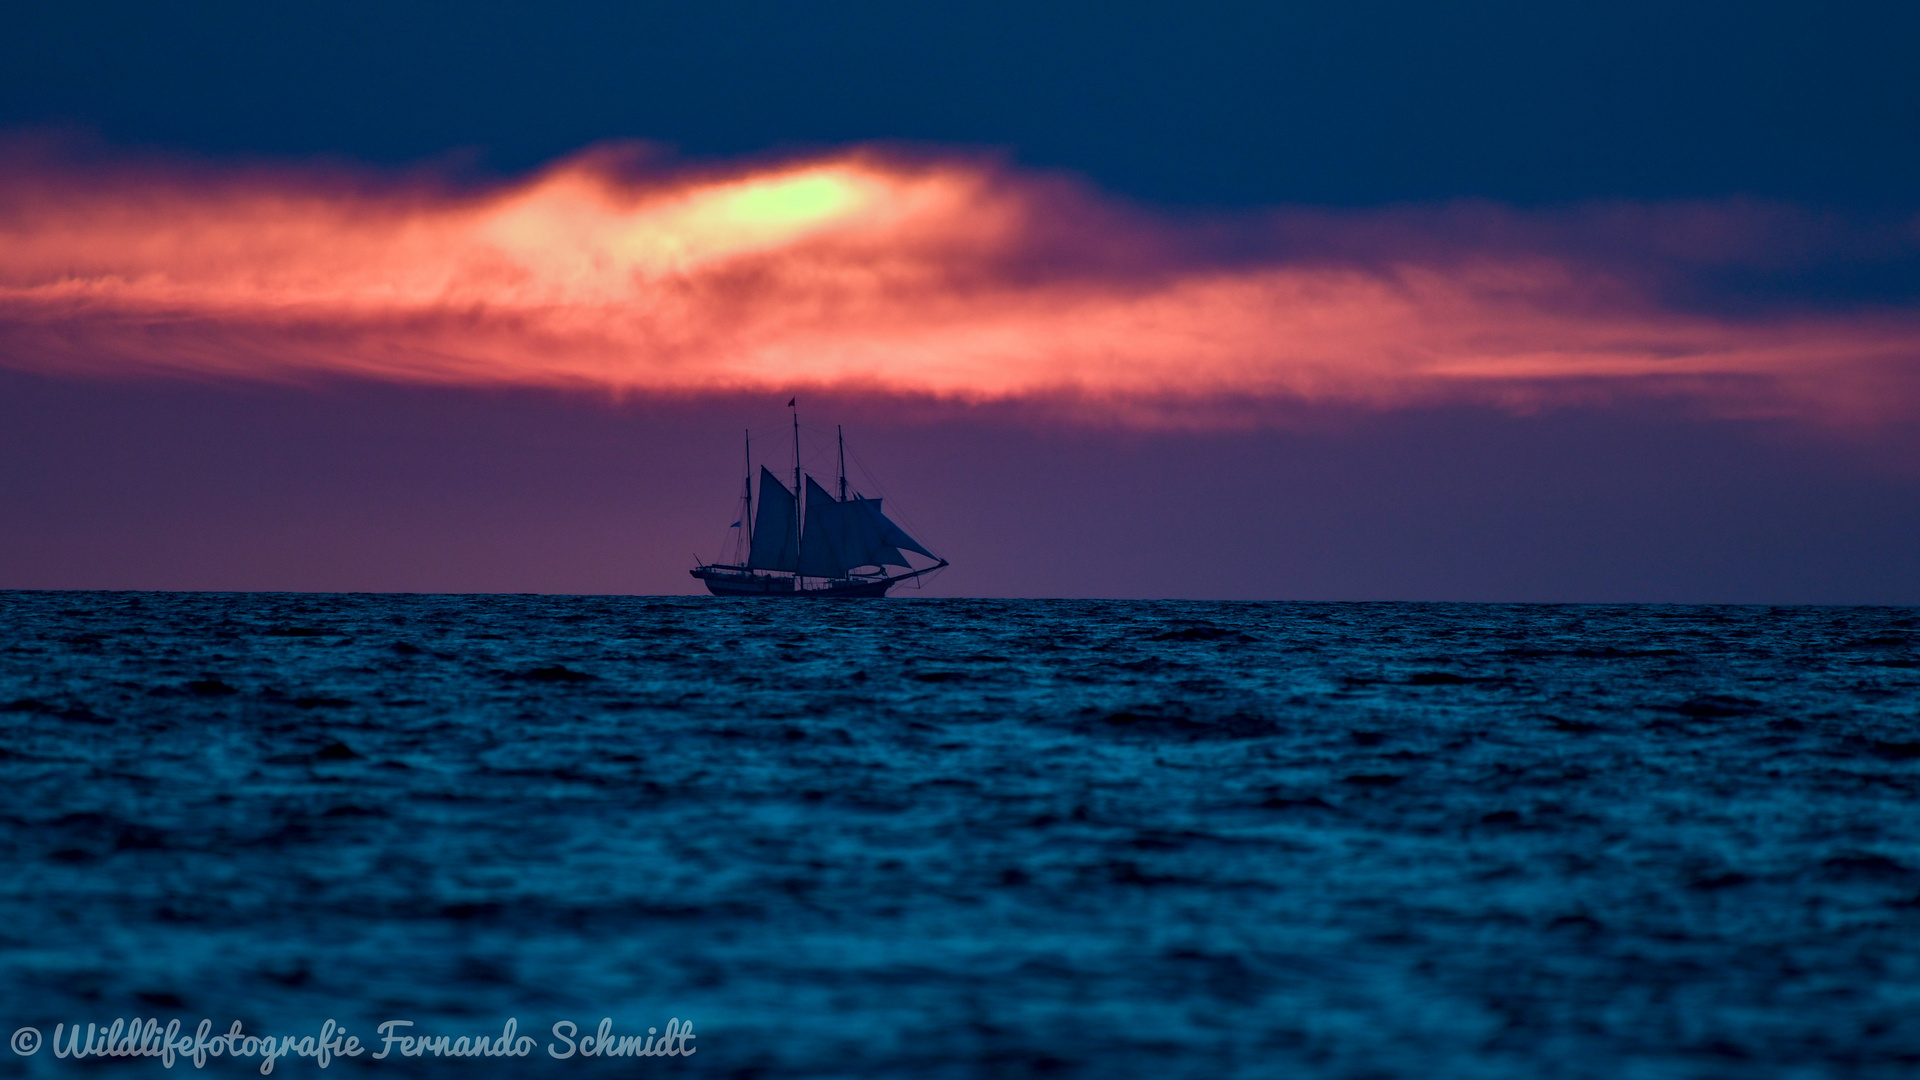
(1393, 301)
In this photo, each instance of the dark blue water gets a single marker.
(972, 838)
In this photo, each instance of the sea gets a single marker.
(675, 836)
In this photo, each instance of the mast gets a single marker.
(841, 433)
(746, 500)
(798, 501)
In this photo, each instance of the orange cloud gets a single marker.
(950, 278)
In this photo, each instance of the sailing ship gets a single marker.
(838, 547)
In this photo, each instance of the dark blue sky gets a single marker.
(1203, 104)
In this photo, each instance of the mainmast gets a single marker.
(841, 433)
(743, 540)
(798, 507)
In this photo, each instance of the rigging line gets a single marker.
(811, 450)
(726, 535)
(892, 510)
(878, 492)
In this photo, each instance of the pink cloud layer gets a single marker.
(866, 272)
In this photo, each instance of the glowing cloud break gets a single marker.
(861, 272)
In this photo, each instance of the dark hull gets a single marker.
(738, 581)
(722, 582)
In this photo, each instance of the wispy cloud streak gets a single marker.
(885, 274)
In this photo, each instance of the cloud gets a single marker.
(945, 277)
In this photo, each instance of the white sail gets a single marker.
(773, 531)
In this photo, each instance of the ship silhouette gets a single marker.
(824, 546)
